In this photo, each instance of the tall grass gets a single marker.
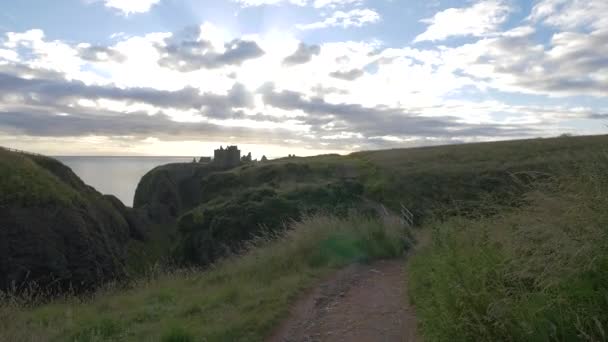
(239, 299)
(537, 273)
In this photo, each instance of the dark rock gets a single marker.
(137, 220)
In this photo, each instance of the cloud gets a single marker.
(354, 18)
(58, 93)
(377, 121)
(302, 55)
(188, 51)
(256, 3)
(128, 7)
(481, 19)
(53, 107)
(200, 84)
(34, 50)
(350, 75)
(96, 53)
(321, 91)
(571, 64)
(314, 3)
(571, 14)
(9, 55)
(31, 106)
(138, 125)
(335, 3)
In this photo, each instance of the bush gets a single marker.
(214, 229)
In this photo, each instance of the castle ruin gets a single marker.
(227, 158)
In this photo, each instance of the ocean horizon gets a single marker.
(116, 175)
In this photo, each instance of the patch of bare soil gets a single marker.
(357, 304)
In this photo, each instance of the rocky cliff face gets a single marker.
(167, 191)
(55, 231)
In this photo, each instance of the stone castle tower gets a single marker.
(227, 158)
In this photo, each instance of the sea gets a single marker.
(116, 176)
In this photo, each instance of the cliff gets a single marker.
(215, 211)
(55, 231)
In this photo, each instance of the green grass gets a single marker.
(239, 299)
(25, 182)
(534, 273)
(518, 250)
(438, 182)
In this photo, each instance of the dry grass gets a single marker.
(239, 299)
(537, 273)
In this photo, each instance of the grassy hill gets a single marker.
(457, 179)
(213, 211)
(56, 232)
(518, 248)
(535, 272)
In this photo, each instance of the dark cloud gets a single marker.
(36, 114)
(31, 107)
(378, 121)
(350, 75)
(46, 108)
(302, 55)
(96, 53)
(322, 91)
(140, 125)
(57, 91)
(186, 51)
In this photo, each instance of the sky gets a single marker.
(304, 77)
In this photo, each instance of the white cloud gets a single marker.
(479, 20)
(390, 83)
(56, 56)
(353, 18)
(8, 55)
(314, 3)
(255, 3)
(335, 3)
(572, 63)
(571, 14)
(131, 6)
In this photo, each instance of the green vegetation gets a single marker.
(239, 299)
(23, 181)
(56, 232)
(211, 230)
(213, 212)
(439, 182)
(534, 272)
(518, 248)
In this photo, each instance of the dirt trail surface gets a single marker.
(358, 304)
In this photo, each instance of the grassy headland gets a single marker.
(55, 231)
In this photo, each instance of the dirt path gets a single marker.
(360, 303)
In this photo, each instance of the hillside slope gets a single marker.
(443, 181)
(214, 211)
(535, 273)
(55, 231)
